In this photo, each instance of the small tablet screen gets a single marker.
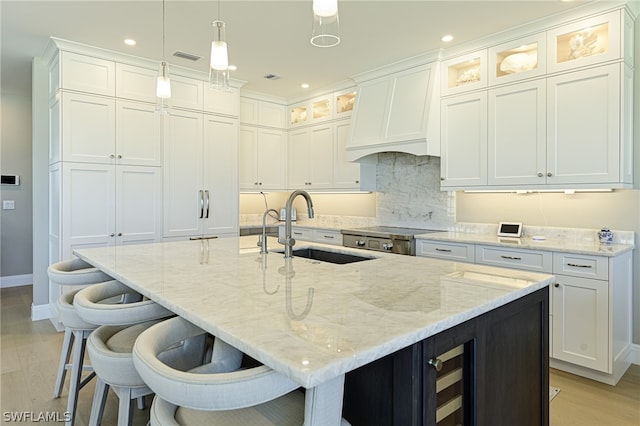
(510, 229)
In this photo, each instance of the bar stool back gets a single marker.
(215, 393)
(110, 345)
(73, 273)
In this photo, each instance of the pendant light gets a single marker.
(326, 31)
(219, 63)
(163, 83)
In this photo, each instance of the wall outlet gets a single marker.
(8, 204)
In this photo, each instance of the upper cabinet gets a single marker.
(323, 108)
(586, 42)
(556, 111)
(517, 60)
(262, 113)
(82, 73)
(465, 72)
(397, 112)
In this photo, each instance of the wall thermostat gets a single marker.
(510, 229)
(10, 180)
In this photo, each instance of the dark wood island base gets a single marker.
(493, 370)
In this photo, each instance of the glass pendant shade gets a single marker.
(219, 63)
(219, 56)
(326, 31)
(325, 8)
(163, 85)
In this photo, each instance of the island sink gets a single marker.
(328, 256)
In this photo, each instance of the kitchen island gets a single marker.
(317, 321)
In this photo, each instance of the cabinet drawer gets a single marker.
(302, 234)
(327, 237)
(580, 265)
(532, 260)
(459, 252)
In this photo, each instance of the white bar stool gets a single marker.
(110, 345)
(216, 393)
(73, 272)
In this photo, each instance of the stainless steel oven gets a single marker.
(383, 238)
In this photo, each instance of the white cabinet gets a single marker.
(72, 71)
(583, 128)
(518, 59)
(586, 42)
(531, 260)
(138, 134)
(318, 235)
(396, 113)
(263, 158)
(87, 129)
(226, 102)
(517, 134)
(580, 321)
(200, 184)
(262, 113)
(136, 83)
(102, 205)
(464, 73)
(459, 252)
(311, 157)
(346, 174)
(93, 129)
(464, 140)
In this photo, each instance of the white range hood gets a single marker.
(397, 110)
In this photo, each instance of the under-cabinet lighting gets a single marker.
(531, 191)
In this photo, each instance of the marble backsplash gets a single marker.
(409, 195)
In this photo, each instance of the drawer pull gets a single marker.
(575, 265)
(331, 237)
(297, 233)
(511, 257)
(444, 250)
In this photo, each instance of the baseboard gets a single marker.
(40, 312)
(634, 355)
(16, 280)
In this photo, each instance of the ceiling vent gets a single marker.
(272, 77)
(187, 56)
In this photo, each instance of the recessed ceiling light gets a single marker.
(447, 38)
(129, 42)
(232, 68)
(304, 85)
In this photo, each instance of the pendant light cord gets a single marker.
(163, 48)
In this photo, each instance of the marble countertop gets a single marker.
(311, 320)
(578, 246)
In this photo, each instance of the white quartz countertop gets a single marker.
(311, 320)
(565, 245)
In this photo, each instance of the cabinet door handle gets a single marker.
(119, 156)
(206, 191)
(549, 174)
(201, 204)
(435, 363)
(540, 175)
(576, 265)
(112, 234)
(556, 285)
(443, 250)
(511, 257)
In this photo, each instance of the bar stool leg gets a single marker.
(99, 401)
(125, 408)
(65, 354)
(80, 342)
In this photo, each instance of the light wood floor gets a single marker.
(29, 353)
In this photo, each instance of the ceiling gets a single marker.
(263, 37)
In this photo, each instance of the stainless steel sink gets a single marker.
(329, 256)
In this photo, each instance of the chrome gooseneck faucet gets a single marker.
(288, 241)
(263, 240)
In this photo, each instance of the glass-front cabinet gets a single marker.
(344, 102)
(585, 42)
(465, 72)
(518, 59)
(327, 107)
